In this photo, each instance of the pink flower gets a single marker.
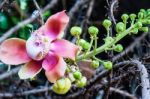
(44, 49)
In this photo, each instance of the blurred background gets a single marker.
(18, 18)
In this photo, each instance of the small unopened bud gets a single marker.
(107, 65)
(134, 31)
(95, 64)
(132, 16)
(62, 86)
(124, 17)
(120, 27)
(76, 31)
(118, 48)
(140, 15)
(84, 44)
(144, 29)
(108, 40)
(107, 23)
(93, 30)
(77, 75)
(138, 24)
(81, 42)
(142, 10)
(82, 82)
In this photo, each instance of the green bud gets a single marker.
(132, 16)
(143, 10)
(67, 70)
(134, 31)
(148, 10)
(144, 29)
(107, 65)
(107, 23)
(118, 48)
(77, 75)
(95, 64)
(81, 42)
(138, 24)
(108, 40)
(76, 31)
(86, 46)
(62, 86)
(120, 27)
(140, 15)
(124, 17)
(93, 30)
(82, 82)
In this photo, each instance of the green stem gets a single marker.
(106, 45)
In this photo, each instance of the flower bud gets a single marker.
(118, 48)
(138, 24)
(95, 64)
(144, 29)
(62, 86)
(108, 40)
(124, 17)
(120, 27)
(82, 82)
(81, 42)
(86, 46)
(107, 65)
(93, 30)
(134, 31)
(77, 75)
(132, 16)
(140, 15)
(107, 23)
(148, 10)
(142, 10)
(76, 31)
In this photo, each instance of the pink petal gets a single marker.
(13, 51)
(55, 25)
(30, 69)
(64, 48)
(54, 67)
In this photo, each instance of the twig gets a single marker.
(8, 74)
(87, 16)
(29, 20)
(144, 80)
(99, 86)
(112, 10)
(37, 6)
(1, 5)
(123, 93)
(73, 11)
(34, 91)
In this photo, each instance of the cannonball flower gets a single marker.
(43, 50)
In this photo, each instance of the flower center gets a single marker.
(38, 45)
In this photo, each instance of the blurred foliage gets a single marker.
(17, 11)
